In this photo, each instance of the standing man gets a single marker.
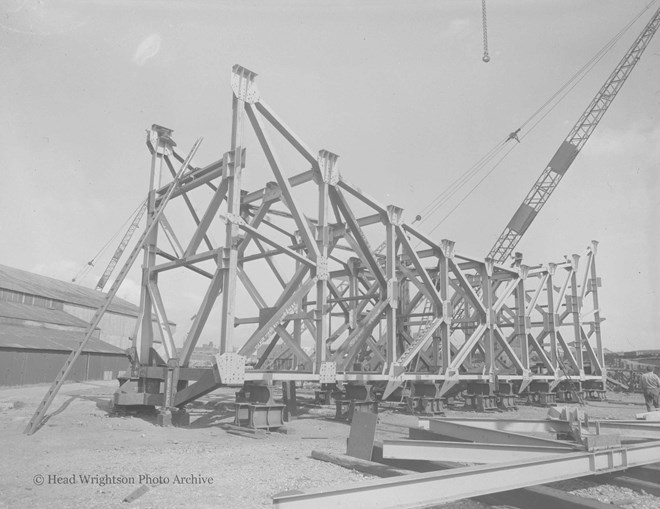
(651, 387)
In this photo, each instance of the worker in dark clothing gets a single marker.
(651, 387)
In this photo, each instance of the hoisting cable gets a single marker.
(458, 182)
(82, 273)
(486, 57)
(471, 190)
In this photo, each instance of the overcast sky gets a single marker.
(397, 89)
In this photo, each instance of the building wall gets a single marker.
(30, 300)
(32, 323)
(116, 328)
(23, 366)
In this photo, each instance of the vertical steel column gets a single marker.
(552, 318)
(447, 312)
(485, 273)
(573, 304)
(353, 290)
(522, 320)
(327, 162)
(170, 386)
(594, 283)
(244, 90)
(393, 219)
(159, 142)
(302, 307)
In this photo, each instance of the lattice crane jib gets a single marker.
(571, 146)
(121, 248)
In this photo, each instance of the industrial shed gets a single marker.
(68, 302)
(42, 319)
(34, 354)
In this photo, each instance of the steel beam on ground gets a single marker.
(539, 497)
(422, 490)
(465, 452)
(632, 429)
(474, 434)
(510, 425)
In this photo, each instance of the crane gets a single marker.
(570, 147)
(121, 247)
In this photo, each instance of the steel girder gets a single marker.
(378, 314)
(423, 490)
(505, 460)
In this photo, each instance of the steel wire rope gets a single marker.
(472, 190)
(486, 57)
(459, 182)
(82, 273)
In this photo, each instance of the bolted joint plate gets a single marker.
(322, 272)
(594, 283)
(323, 234)
(159, 140)
(328, 373)
(272, 192)
(396, 372)
(575, 261)
(329, 167)
(234, 219)
(447, 247)
(392, 291)
(490, 266)
(452, 374)
(394, 214)
(243, 85)
(447, 310)
(231, 367)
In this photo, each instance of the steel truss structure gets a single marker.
(371, 315)
(508, 454)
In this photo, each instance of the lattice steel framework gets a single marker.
(369, 316)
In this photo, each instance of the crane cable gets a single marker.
(82, 273)
(486, 57)
(457, 184)
(562, 92)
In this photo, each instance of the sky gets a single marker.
(397, 89)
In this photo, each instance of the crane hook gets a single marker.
(486, 57)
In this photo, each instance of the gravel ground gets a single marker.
(83, 444)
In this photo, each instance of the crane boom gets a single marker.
(120, 248)
(571, 146)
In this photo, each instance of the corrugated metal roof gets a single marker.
(35, 284)
(39, 314)
(42, 338)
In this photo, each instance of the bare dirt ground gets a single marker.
(84, 456)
